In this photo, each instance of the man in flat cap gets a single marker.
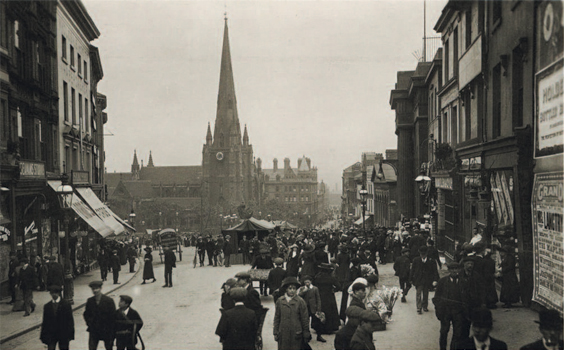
(550, 326)
(362, 339)
(237, 327)
(127, 324)
(482, 324)
(275, 277)
(252, 299)
(449, 306)
(99, 316)
(58, 323)
(473, 292)
(169, 262)
(115, 264)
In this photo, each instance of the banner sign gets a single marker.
(549, 111)
(548, 239)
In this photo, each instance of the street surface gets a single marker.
(185, 316)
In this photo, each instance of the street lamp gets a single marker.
(363, 197)
(65, 192)
(132, 218)
(260, 215)
(177, 222)
(160, 219)
(221, 222)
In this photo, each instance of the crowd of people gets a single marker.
(320, 263)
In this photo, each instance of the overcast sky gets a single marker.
(312, 78)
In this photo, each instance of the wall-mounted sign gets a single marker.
(548, 246)
(474, 163)
(80, 177)
(444, 183)
(549, 105)
(35, 170)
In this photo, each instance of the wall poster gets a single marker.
(548, 239)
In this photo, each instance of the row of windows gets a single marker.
(78, 64)
(292, 189)
(83, 120)
(295, 199)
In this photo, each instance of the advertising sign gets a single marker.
(548, 239)
(549, 138)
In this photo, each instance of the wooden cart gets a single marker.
(168, 238)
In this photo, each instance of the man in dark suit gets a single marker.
(55, 274)
(472, 290)
(237, 327)
(482, 323)
(550, 326)
(252, 299)
(99, 315)
(263, 261)
(402, 268)
(27, 283)
(227, 250)
(210, 247)
(275, 277)
(170, 262)
(116, 265)
(58, 322)
(424, 275)
(127, 324)
(13, 276)
(244, 247)
(201, 248)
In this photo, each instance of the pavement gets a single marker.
(13, 324)
(185, 317)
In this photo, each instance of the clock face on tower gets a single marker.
(219, 156)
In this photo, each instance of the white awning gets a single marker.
(84, 211)
(101, 209)
(123, 222)
(358, 222)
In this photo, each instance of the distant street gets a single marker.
(185, 316)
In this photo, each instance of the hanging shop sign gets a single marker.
(33, 170)
(549, 105)
(548, 239)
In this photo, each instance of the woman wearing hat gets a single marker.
(309, 267)
(148, 272)
(326, 283)
(294, 261)
(291, 318)
(510, 293)
(342, 271)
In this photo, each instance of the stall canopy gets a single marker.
(252, 224)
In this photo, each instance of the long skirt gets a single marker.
(510, 291)
(148, 270)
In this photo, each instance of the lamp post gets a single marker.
(260, 215)
(177, 222)
(132, 218)
(363, 196)
(65, 192)
(221, 222)
(160, 219)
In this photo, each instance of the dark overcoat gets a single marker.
(127, 327)
(275, 277)
(293, 264)
(237, 328)
(423, 274)
(327, 284)
(55, 274)
(252, 300)
(468, 344)
(59, 325)
(148, 272)
(100, 317)
(510, 291)
(343, 272)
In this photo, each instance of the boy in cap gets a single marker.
(482, 323)
(402, 268)
(344, 335)
(252, 299)
(128, 323)
(237, 327)
(275, 277)
(310, 294)
(424, 275)
(99, 315)
(58, 323)
(550, 326)
(449, 306)
(362, 339)
(226, 300)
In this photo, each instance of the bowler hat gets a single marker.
(325, 266)
(288, 281)
(550, 320)
(95, 284)
(308, 248)
(126, 298)
(238, 293)
(423, 249)
(231, 282)
(482, 318)
(55, 289)
(356, 261)
(278, 261)
(405, 250)
(468, 258)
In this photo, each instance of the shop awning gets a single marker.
(101, 209)
(84, 211)
(121, 221)
(359, 221)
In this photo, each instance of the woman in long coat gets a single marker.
(148, 268)
(309, 267)
(343, 271)
(326, 284)
(294, 260)
(510, 292)
(291, 318)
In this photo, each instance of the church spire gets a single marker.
(245, 137)
(227, 131)
(135, 166)
(209, 136)
(150, 163)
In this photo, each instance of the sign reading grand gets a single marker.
(548, 239)
(550, 111)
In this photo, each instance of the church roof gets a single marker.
(113, 179)
(139, 189)
(172, 174)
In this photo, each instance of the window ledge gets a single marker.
(73, 68)
(85, 81)
(80, 75)
(64, 60)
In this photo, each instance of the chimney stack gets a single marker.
(275, 161)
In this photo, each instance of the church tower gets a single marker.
(226, 156)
